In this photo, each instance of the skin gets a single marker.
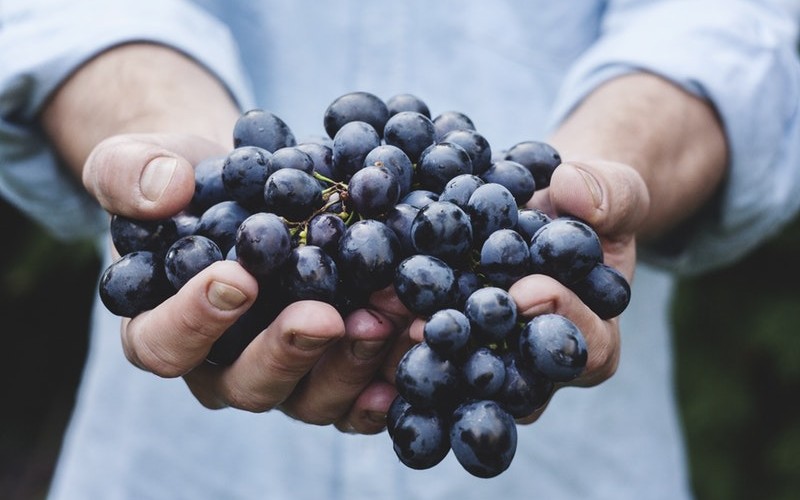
(628, 170)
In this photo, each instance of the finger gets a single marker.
(368, 413)
(145, 176)
(538, 294)
(176, 336)
(329, 390)
(273, 364)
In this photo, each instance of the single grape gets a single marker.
(325, 230)
(421, 438)
(396, 410)
(565, 249)
(523, 391)
(373, 191)
(529, 221)
(263, 244)
(427, 380)
(443, 230)
(208, 186)
(484, 373)
(355, 106)
(451, 120)
(396, 161)
(290, 157)
(188, 256)
(220, 223)
(351, 145)
(438, 163)
(447, 332)
(540, 158)
(491, 207)
(418, 198)
(310, 274)
(410, 131)
(368, 255)
(476, 146)
(552, 345)
(483, 438)
(459, 189)
(263, 129)
(425, 284)
(605, 290)
(407, 102)
(133, 235)
(244, 172)
(322, 157)
(399, 219)
(504, 258)
(492, 314)
(516, 178)
(134, 283)
(185, 223)
(292, 194)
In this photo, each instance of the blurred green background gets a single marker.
(738, 371)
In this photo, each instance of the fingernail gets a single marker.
(309, 343)
(592, 185)
(367, 349)
(225, 297)
(156, 176)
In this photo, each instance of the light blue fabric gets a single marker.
(516, 68)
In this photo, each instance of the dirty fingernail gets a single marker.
(156, 176)
(225, 297)
(309, 343)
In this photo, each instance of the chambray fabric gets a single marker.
(517, 68)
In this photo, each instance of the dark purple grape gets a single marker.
(373, 191)
(263, 244)
(460, 188)
(291, 157)
(399, 219)
(483, 438)
(425, 284)
(407, 102)
(449, 121)
(322, 158)
(410, 131)
(605, 290)
(421, 438)
(514, 177)
(439, 163)
(523, 391)
(565, 249)
(529, 221)
(310, 274)
(553, 346)
(427, 380)
(355, 106)
(185, 223)
(133, 235)
(540, 158)
(368, 255)
(244, 172)
(325, 230)
(467, 282)
(208, 186)
(447, 332)
(220, 222)
(188, 256)
(263, 129)
(134, 283)
(484, 373)
(505, 258)
(492, 314)
(476, 146)
(351, 144)
(396, 161)
(418, 198)
(292, 194)
(396, 410)
(491, 207)
(443, 230)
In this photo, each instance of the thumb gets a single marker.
(611, 197)
(145, 176)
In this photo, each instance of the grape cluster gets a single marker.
(391, 197)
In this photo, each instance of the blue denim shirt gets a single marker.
(517, 68)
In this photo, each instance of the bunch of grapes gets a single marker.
(391, 197)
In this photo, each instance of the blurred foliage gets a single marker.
(738, 350)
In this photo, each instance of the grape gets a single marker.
(491, 207)
(129, 235)
(484, 373)
(396, 161)
(396, 410)
(438, 163)
(220, 223)
(399, 219)
(476, 146)
(447, 332)
(505, 258)
(449, 121)
(529, 221)
(325, 230)
(188, 256)
(373, 191)
(483, 437)
(459, 189)
(418, 198)
(410, 131)
(605, 290)
(244, 172)
(427, 380)
(185, 223)
(310, 274)
(263, 129)
(291, 157)
(322, 158)
(554, 347)
(407, 102)
(134, 283)
(443, 230)
(368, 255)
(492, 314)
(523, 391)
(516, 178)
(566, 249)
(538, 157)
(425, 284)
(292, 194)
(421, 438)
(208, 186)
(262, 243)
(351, 145)
(355, 106)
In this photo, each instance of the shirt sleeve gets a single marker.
(41, 43)
(741, 56)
